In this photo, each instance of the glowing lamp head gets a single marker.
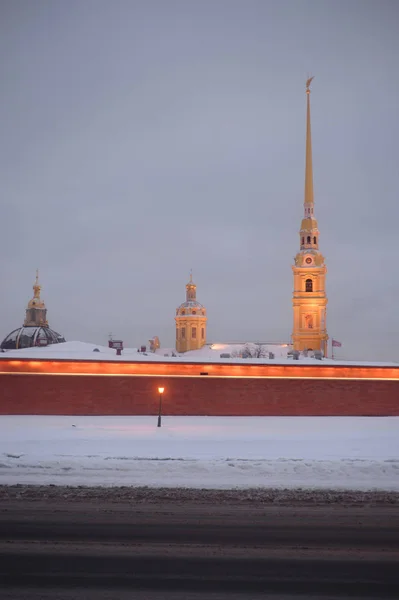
(161, 390)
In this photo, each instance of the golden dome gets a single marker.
(36, 301)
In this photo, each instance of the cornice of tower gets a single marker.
(309, 258)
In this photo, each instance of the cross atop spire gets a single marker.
(308, 82)
(309, 198)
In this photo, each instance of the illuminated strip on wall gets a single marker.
(166, 369)
(255, 377)
(196, 370)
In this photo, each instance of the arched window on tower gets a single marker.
(309, 285)
(315, 240)
(308, 239)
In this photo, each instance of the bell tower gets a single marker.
(309, 299)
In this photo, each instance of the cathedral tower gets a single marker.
(309, 298)
(190, 321)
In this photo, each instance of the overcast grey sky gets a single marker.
(140, 139)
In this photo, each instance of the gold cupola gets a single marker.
(36, 312)
(190, 321)
(35, 330)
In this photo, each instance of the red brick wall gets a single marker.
(119, 395)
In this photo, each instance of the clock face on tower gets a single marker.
(308, 260)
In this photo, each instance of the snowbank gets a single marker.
(202, 452)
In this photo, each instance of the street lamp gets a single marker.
(161, 391)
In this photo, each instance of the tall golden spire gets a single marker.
(309, 199)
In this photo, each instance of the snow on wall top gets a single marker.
(208, 353)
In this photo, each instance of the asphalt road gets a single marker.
(67, 550)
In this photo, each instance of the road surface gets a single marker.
(62, 549)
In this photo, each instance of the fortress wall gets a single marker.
(34, 389)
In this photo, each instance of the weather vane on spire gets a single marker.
(308, 82)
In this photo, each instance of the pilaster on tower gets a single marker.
(309, 296)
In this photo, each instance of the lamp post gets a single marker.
(161, 391)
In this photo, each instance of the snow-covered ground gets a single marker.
(201, 452)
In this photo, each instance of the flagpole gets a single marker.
(332, 349)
